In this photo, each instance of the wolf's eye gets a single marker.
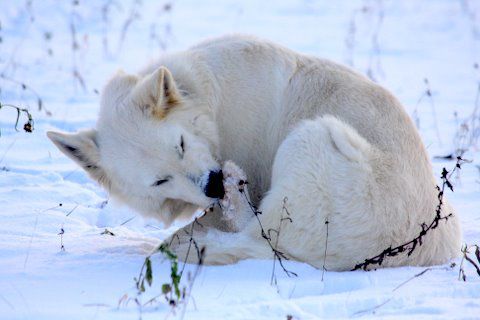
(181, 147)
(161, 181)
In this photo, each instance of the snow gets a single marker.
(438, 40)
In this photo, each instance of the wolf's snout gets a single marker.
(214, 187)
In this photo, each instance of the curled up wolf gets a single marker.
(186, 131)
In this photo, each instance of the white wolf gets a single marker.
(338, 146)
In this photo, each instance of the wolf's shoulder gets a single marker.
(229, 40)
(241, 43)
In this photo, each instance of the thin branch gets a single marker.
(34, 231)
(415, 276)
(372, 310)
(427, 93)
(280, 256)
(28, 126)
(132, 16)
(74, 16)
(273, 279)
(27, 87)
(325, 253)
(465, 257)
(7, 150)
(378, 306)
(192, 241)
(127, 221)
(25, 34)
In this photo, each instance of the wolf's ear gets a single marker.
(82, 148)
(157, 93)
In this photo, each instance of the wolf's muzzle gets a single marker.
(214, 187)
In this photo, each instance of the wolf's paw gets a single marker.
(234, 183)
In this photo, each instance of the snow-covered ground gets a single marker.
(415, 40)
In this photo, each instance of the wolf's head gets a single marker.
(154, 148)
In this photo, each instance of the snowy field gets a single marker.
(64, 51)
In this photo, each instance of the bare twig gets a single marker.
(192, 241)
(352, 32)
(374, 63)
(375, 51)
(133, 15)
(14, 54)
(373, 309)
(7, 150)
(326, 246)
(34, 231)
(415, 276)
(472, 18)
(7, 302)
(28, 126)
(191, 281)
(106, 9)
(74, 18)
(27, 87)
(61, 233)
(161, 38)
(280, 256)
(127, 221)
(273, 279)
(465, 257)
(468, 130)
(62, 230)
(378, 306)
(107, 233)
(427, 93)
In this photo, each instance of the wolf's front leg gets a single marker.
(216, 229)
(206, 245)
(235, 205)
(197, 244)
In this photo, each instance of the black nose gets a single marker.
(214, 187)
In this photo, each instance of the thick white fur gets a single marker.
(338, 146)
